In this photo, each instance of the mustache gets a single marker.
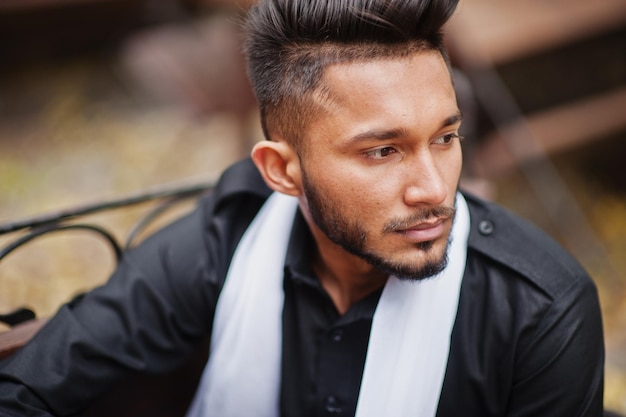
(441, 212)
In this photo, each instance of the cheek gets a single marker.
(369, 196)
(353, 194)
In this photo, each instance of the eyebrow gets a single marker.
(452, 120)
(395, 133)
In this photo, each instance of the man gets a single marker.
(340, 272)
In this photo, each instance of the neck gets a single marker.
(346, 278)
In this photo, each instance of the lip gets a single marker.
(424, 232)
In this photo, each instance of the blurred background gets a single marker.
(106, 98)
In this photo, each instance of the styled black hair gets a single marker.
(289, 43)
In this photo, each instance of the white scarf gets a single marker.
(409, 341)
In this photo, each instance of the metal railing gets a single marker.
(70, 219)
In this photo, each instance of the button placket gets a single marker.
(336, 335)
(331, 405)
(485, 227)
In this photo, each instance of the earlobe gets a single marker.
(279, 165)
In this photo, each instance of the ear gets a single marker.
(279, 165)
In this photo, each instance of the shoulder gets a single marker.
(528, 313)
(241, 178)
(212, 230)
(232, 203)
(178, 271)
(505, 239)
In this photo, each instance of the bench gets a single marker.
(139, 395)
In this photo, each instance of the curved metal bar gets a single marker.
(18, 316)
(151, 216)
(141, 197)
(57, 228)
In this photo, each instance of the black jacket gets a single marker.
(527, 340)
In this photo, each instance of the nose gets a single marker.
(425, 182)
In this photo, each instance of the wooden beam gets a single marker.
(557, 129)
(18, 336)
(502, 31)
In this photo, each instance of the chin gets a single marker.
(428, 262)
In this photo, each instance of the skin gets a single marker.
(378, 179)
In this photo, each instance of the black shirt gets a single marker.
(324, 352)
(527, 340)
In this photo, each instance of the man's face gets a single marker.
(381, 165)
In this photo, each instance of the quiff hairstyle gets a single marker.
(289, 43)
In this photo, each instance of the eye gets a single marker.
(380, 153)
(447, 139)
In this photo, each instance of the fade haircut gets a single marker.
(289, 43)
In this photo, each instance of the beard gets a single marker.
(352, 237)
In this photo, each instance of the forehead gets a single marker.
(421, 69)
(399, 92)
